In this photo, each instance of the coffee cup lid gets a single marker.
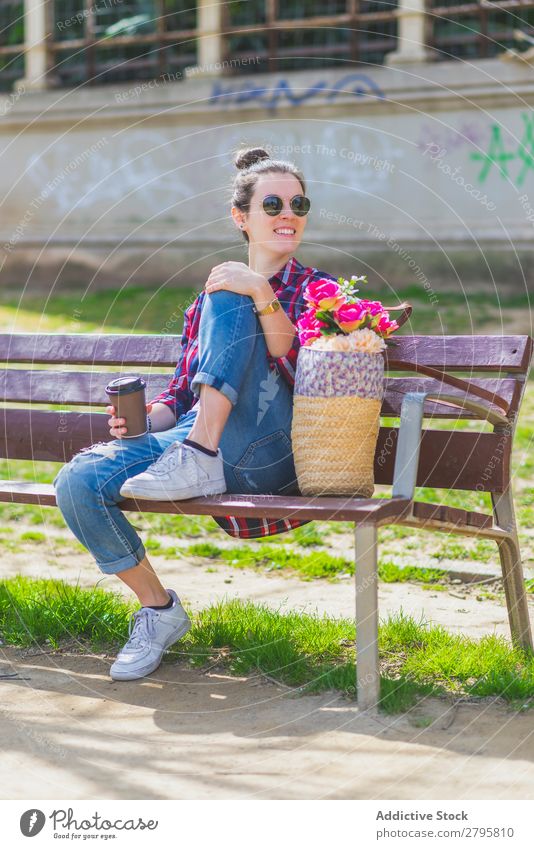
(123, 385)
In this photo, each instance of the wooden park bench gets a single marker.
(408, 456)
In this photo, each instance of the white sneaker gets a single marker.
(151, 632)
(181, 472)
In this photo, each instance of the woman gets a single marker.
(223, 424)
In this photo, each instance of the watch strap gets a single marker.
(273, 306)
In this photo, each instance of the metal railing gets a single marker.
(303, 34)
(98, 41)
(476, 30)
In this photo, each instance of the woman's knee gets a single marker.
(224, 299)
(82, 479)
(71, 487)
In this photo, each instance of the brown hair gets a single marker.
(251, 162)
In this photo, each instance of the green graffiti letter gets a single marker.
(496, 155)
(525, 151)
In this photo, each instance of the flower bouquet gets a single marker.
(339, 387)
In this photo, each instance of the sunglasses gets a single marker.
(273, 205)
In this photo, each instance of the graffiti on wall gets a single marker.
(513, 162)
(273, 95)
(469, 132)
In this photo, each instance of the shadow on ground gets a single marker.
(70, 732)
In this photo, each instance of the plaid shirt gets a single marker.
(288, 285)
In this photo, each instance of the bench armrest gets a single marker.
(410, 430)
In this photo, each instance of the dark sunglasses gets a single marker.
(273, 205)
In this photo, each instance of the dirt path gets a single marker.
(68, 731)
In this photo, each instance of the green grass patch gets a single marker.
(33, 536)
(310, 652)
(315, 564)
(391, 573)
(52, 611)
(308, 566)
(131, 309)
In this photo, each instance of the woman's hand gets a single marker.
(117, 428)
(235, 277)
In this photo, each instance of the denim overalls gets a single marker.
(255, 444)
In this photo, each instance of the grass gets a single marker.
(132, 309)
(302, 651)
(317, 564)
(137, 309)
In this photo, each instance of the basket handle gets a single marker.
(451, 380)
(405, 314)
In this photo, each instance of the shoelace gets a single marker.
(141, 627)
(176, 453)
(169, 459)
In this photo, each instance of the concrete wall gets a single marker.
(415, 172)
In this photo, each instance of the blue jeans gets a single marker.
(255, 444)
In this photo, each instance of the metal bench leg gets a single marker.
(512, 571)
(367, 666)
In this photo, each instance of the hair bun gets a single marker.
(248, 156)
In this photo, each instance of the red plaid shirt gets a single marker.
(288, 285)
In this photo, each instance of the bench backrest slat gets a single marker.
(88, 389)
(89, 349)
(460, 353)
(464, 353)
(449, 459)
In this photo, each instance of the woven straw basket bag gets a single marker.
(336, 419)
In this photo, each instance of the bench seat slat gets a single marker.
(88, 389)
(460, 353)
(345, 509)
(377, 511)
(256, 506)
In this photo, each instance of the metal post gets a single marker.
(367, 665)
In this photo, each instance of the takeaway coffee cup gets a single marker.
(127, 395)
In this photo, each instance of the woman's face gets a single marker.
(268, 230)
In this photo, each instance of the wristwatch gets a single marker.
(272, 307)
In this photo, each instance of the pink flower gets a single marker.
(306, 319)
(384, 326)
(324, 294)
(306, 337)
(373, 307)
(309, 327)
(351, 316)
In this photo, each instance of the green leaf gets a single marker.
(327, 317)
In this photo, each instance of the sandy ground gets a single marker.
(68, 731)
